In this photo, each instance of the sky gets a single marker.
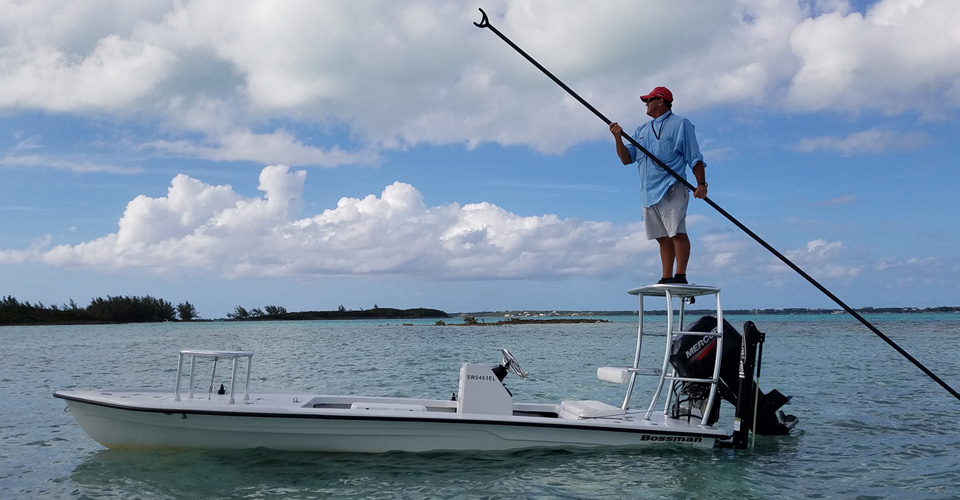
(381, 153)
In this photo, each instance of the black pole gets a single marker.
(485, 23)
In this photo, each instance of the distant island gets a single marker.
(375, 313)
(148, 309)
(473, 321)
(523, 314)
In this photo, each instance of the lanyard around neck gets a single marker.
(656, 132)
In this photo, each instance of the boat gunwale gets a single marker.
(596, 425)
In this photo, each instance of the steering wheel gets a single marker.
(511, 365)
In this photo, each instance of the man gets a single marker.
(673, 140)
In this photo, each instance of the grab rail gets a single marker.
(193, 354)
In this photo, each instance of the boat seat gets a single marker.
(588, 409)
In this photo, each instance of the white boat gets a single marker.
(482, 416)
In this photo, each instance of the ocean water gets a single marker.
(872, 425)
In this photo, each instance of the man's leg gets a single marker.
(668, 254)
(681, 245)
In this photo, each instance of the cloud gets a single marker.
(847, 199)
(114, 74)
(868, 142)
(819, 259)
(930, 273)
(212, 228)
(17, 257)
(241, 81)
(279, 146)
(914, 265)
(896, 58)
(726, 253)
(59, 163)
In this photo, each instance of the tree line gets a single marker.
(147, 309)
(120, 309)
(241, 313)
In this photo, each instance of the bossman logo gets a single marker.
(675, 439)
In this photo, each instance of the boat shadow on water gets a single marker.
(264, 472)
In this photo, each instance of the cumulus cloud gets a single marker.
(819, 259)
(113, 75)
(873, 141)
(22, 256)
(726, 252)
(397, 74)
(200, 226)
(897, 57)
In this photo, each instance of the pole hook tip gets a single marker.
(484, 23)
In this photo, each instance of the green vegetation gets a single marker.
(187, 312)
(110, 310)
(147, 309)
(279, 313)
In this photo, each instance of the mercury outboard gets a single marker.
(693, 357)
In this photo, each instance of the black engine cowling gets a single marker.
(693, 356)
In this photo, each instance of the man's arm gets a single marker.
(622, 151)
(699, 171)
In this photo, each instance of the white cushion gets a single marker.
(615, 374)
(590, 409)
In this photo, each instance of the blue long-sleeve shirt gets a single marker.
(673, 140)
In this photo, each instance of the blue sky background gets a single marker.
(313, 154)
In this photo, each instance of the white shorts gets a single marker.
(668, 217)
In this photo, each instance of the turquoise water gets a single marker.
(871, 424)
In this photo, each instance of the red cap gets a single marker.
(661, 92)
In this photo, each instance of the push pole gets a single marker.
(485, 23)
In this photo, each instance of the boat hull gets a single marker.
(155, 421)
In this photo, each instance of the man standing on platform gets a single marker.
(673, 140)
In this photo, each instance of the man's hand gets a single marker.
(700, 192)
(622, 151)
(615, 129)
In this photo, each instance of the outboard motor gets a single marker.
(693, 356)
